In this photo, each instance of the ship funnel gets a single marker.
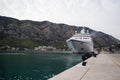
(87, 31)
(83, 31)
(75, 32)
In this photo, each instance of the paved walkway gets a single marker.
(103, 67)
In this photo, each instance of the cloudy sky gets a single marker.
(100, 15)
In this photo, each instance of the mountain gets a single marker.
(27, 33)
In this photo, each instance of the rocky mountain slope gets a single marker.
(14, 32)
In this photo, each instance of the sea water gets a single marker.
(35, 65)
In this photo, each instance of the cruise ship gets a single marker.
(81, 42)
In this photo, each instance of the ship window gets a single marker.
(82, 48)
(85, 38)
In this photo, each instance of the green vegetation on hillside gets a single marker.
(19, 43)
(30, 44)
(118, 46)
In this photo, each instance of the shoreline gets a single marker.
(34, 52)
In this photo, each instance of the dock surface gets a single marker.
(102, 67)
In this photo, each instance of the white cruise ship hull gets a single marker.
(80, 46)
(81, 42)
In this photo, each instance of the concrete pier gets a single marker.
(103, 67)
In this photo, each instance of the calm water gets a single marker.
(35, 65)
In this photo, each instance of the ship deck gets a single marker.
(103, 67)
